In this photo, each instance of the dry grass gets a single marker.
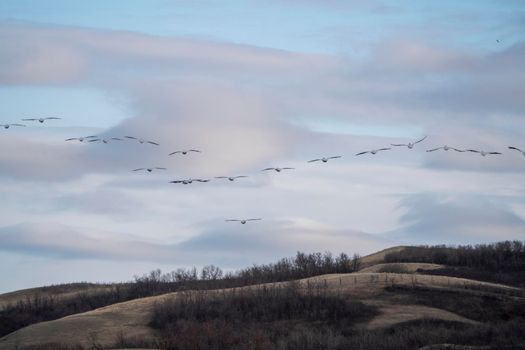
(406, 267)
(131, 318)
(379, 257)
(62, 291)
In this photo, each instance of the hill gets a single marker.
(384, 305)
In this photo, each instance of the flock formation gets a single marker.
(95, 138)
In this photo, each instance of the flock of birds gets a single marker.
(95, 138)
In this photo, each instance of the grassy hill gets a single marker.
(381, 306)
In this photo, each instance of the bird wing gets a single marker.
(153, 143)
(398, 144)
(232, 220)
(470, 150)
(383, 149)
(287, 168)
(200, 180)
(313, 160)
(90, 137)
(358, 154)
(17, 124)
(334, 157)
(93, 140)
(176, 182)
(194, 150)
(239, 176)
(172, 153)
(50, 118)
(418, 141)
(116, 139)
(253, 219)
(493, 153)
(29, 119)
(434, 149)
(516, 148)
(268, 169)
(138, 169)
(160, 168)
(459, 150)
(221, 177)
(130, 137)
(71, 139)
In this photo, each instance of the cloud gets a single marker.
(434, 219)
(231, 246)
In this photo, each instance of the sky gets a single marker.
(253, 84)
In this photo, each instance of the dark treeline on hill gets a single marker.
(41, 308)
(502, 262)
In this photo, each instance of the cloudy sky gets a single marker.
(253, 84)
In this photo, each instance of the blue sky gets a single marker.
(253, 84)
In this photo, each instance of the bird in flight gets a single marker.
(517, 149)
(105, 140)
(446, 148)
(324, 159)
(188, 181)
(483, 153)
(185, 151)
(7, 126)
(149, 170)
(243, 221)
(231, 178)
(374, 151)
(40, 120)
(82, 138)
(277, 169)
(410, 145)
(141, 140)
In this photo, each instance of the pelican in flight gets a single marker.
(324, 159)
(105, 140)
(277, 169)
(141, 140)
(40, 120)
(185, 151)
(231, 178)
(446, 148)
(82, 138)
(483, 153)
(188, 181)
(243, 221)
(7, 126)
(410, 145)
(517, 149)
(149, 170)
(374, 151)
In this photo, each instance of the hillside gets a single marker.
(384, 306)
(59, 291)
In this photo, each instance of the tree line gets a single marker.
(41, 308)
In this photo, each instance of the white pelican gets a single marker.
(7, 126)
(517, 149)
(231, 178)
(277, 169)
(40, 120)
(105, 140)
(141, 140)
(243, 221)
(446, 148)
(82, 138)
(483, 153)
(324, 159)
(374, 151)
(188, 181)
(410, 145)
(185, 151)
(149, 170)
